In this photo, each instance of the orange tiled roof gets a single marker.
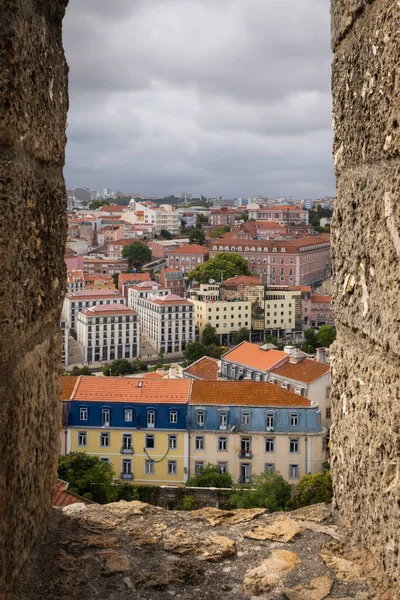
(67, 386)
(89, 294)
(61, 497)
(251, 355)
(190, 249)
(268, 225)
(108, 309)
(246, 279)
(144, 391)
(112, 208)
(172, 299)
(205, 368)
(128, 277)
(248, 393)
(320, 298)
(306, 371)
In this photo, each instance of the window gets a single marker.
(270, 421)
(172, 467)
(83, 413)
(151, 418)
(294, 420)
(223, 420)
(82, 438)
(105, 417)
(199, 442)
(104, 440)
(172, 442)
(149, 467)
(127, 441)
(222, 443)
(150, 441)
(293, 445)
(200, 418)
(126, 466)
(223, 467)
(298, 391)
(269, 468)
(173, 416)
(128, 415)
(269, 445)
(293, 471)
(328, 413)
(198, 466)
(245, 420)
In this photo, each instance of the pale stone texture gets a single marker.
(365, 435)
(33, 106)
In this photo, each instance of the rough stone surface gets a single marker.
(365, 436)
(153, 554)
(281, 530)
(33, 106)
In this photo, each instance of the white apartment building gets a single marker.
(139, 213)
(108, 332)
(167, 218)
(64, 339)
(75, 303)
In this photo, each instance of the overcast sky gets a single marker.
(219, 97)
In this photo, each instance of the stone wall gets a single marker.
(366, 251)
(33, 107)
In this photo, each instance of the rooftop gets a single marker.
(131, 277)
(172, 299)
(62, 497)
(142, 391)
(90, 294)
(320, 298)
(306, 371)
(251, 355)
(190, 249)
(206, 369)
(108, 309)
(68, 383)
(248, 393)
(242, 279)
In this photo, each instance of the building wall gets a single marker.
(186, 262)
(33, 234)
(366, 253)
(226, 317)
(109, 338)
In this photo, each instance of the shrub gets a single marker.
(268, 490)
(188, 503)
(211, 476)
(312, 489)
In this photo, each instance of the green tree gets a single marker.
(167, 235)
(268, 490)
(160, 358)
(243, 335)
(200, 219)
(326, 336)
(217, 231)
(197, 236)
(215, 351)
(311, 341)
(225, 264)
(270, 339)
(115, 279)
(209, 335)
(312, 489)
(193, 351)
(137, 254)
(183, 225)
(96, 204)
(76, 371)
(211, 476)
(88, 476)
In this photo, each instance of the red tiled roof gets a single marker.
(268, 225)
(251, 355)
(172, 299)
(112, 208)
(90, 294)
(206, 368)
(68, 383)
(131, 277)
(319, 298)
(61, 497)
(306, 371)
(108, 309)
(245, 279)
(144, 391)
(190, 249)
(248, 393)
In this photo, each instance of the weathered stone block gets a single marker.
(343, 15)
(33, 106)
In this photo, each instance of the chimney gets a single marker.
(321, 355)
(291, 350)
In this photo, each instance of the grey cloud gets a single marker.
(228, 97)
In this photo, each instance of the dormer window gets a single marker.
(151, 418)
(223, 420)
(128, 415)
(105, 417)
(270, 421)
(173, 416)
(83, 413)
(294, 419)
(245, 418)
(200, 418)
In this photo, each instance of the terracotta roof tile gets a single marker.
(131, 277)
(144, 391)
(248, 393)
(306, 371)
(172, 299)
(251, 355)
(205, 368)
(61, 497)
(67, 386)
(108, 309)
(246, 279)
(320, 298)
(190, 249)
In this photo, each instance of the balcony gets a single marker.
(244, 479)
(126, 450)
(245, 454)
(126, 476)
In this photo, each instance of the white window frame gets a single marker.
(271, 442)
(293, 471)
(295, 442)
(149, 467)
(223, 467)
(200, 418)
(151, 418)
(222, 441)
(198, 466)
(126, 462)
(173, 416)
(245, 417)
(82, 435)
(147, 437)
(104, 459)
(128, 415)
(104, 437)
(105, 417)
(270, 420)
(125, 437)
(294, 419)
(199, 441)
(172, 468)
(223, 420)
(83, 413)
(172, 442)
